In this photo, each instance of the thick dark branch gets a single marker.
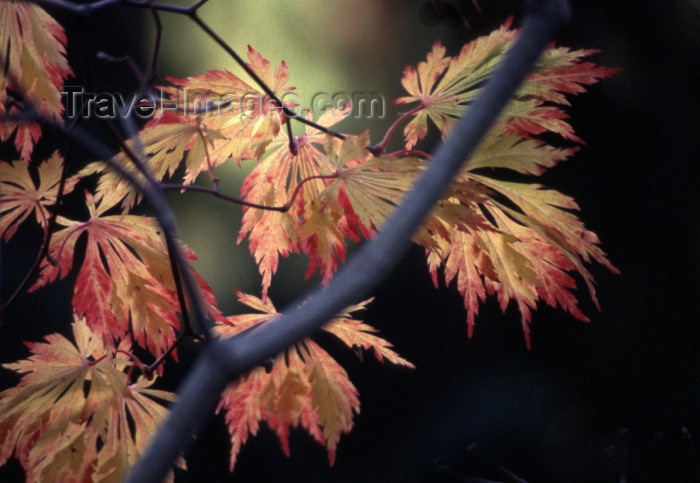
(224, 360)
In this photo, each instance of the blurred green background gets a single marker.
(330, 48)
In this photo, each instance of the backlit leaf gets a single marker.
(75, 416)
(125, 284)
(20, 197)
(304, 387)
(32, 48)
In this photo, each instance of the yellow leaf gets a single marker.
(68, 418)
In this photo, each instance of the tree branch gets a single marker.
(222, 361)
(151, 192)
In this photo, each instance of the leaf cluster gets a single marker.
(85, 410)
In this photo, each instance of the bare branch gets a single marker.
(224, 360)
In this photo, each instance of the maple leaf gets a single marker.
(459, 79)
(20, 197)
(501, 149)
(328, 195)
(523, 250)
(513, 239)
(206, 120)
(33, 55)
(305, 385)
(358, 335)
(165, 144)
(444, 86)
(74, 416)
(245, 118)
(125, 283)
(305, 225)
(369, 189)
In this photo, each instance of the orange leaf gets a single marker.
(20, 197)
(68, 418)
(445, 86)
(356, 334)
(509, 238)
(244, 118)
(33, 50)
(369, 189)
(273, 182)
(125, 283)
(305, 386)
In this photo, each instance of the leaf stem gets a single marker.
(145, 370)
(409, 152)
(378, 149)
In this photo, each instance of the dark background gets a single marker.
(589, 401)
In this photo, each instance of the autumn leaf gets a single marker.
(500, 149)
(244, 118)
(166, 144)
(333, 396)
(357, 335)
(526, 246)
(20, 197)
(369, 189)
(32, 49)
(512, 239)
(124, 285)
(204, 121)
(304, 387)
(331, 191)
(284, 177)
(444, 86)
(75, 416)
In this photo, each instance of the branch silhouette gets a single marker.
(224, 360)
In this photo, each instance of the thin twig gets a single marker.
(163, 7)
(215, 192)
(50, 227)
(180, 337)
(156, 48)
